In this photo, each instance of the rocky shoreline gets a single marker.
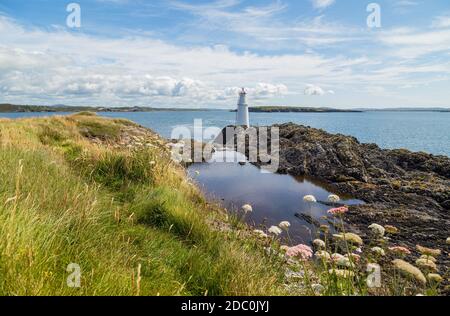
(408, 190)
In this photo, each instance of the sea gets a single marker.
(417, 131)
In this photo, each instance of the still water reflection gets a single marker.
(274, 197)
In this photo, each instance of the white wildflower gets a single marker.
(344, 262)
(318, 243)
(333, 198)
(323, 255)
(377, 230)
(336, 257)
(309, 198)
(247, 208)
(275, 230)
(378, 251)
(285, 225)
(260, 233)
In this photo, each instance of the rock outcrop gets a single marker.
(406, 189)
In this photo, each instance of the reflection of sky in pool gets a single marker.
(274, 197)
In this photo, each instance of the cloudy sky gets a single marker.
(179, 53)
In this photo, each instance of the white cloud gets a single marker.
(264, 26)
(405, 3)
(58, 66)
(312, 89)
(441, 22)
(413, 43)
(322, 4)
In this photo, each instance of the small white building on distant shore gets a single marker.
(242, 115)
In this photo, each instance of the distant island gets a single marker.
(296, 109)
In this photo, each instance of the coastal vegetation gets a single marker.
(343, 263)
(105, 195)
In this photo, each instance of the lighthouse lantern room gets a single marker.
(242, 116)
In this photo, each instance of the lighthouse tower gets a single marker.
(242, 117)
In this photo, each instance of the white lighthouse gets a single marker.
(242, 117)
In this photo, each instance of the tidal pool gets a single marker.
(274, 197)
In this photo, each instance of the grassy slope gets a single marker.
(128, 217)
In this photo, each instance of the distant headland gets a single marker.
(14, 108)
(296, 109)
(299, 109)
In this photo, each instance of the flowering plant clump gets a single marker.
(409, 270)
(353, 268)
(391, 229)
(435, 278)
(378, 251)
(260, 233)
(323, 255)
(430, 258)
(301, 251)
(338, 210)
(428, 251)
(400, 250)
(344, 262)
(353, 238)
(426, 264)
(377, 230)
(336, 257)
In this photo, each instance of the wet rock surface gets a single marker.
(409, 190)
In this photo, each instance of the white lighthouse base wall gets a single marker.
(242, 116)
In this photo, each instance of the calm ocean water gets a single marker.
(416, 131)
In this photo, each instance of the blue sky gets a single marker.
(198, 53)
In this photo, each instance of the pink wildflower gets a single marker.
(302, 251)
(400, 250)
(339, 210)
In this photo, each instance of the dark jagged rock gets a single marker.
(406, 189)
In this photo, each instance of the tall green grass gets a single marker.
(128, 218)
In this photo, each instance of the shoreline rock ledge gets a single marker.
(410, 190)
